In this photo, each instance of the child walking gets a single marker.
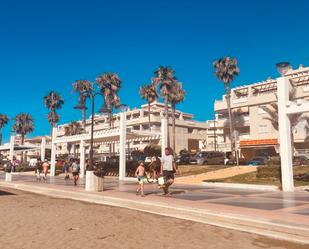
(139, 173)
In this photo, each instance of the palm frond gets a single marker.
(4, 119)
(23, 124)
(53, 101)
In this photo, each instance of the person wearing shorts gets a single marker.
(168, 168)
(45, 166)
(75, 171)
(140, 174)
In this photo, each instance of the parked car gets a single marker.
(233, 161)
(300, 160)
(208, 157)
(184, 158)
(257, 161)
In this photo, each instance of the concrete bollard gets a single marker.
(8, 177)
(94, 183)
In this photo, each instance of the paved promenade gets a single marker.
(274, 214)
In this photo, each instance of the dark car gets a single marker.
(183, 159)
(257, 161)
(300, 160)
(208, 157)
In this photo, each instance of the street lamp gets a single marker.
(215, 133)
(283, 67)
(92, 96)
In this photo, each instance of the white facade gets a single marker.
(189, 133)
(256, 134)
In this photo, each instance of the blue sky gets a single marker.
(46, 45)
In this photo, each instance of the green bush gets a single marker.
(152, 150)
(24, 169)
(274, 161)
(273, 171)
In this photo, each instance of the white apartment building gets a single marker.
(255, 134)
(190, 134)
(31, 147)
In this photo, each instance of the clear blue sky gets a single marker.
(46, 45)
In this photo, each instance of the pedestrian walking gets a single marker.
(154, 167)
(38, 169)
(45, 166)
(66, 168)
(75, 171)
(168, 168)
(140, 174)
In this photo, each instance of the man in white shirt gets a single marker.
(168, 168)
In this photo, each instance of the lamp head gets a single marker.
(104, 109)
(283, 67)
(80, 106)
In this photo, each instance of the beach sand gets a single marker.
(35, 221)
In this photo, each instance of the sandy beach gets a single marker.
(35, 221)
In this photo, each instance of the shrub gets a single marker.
(274, 161)
(152, 150)
(24, 169)
(273, 171)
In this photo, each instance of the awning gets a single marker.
(258, 143)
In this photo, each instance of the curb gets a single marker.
(241, 186)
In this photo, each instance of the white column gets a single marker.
(53, 153)
(122, 146)
(82, 158)
(43, 147)
(163, 135)
(283, 85)
(12, 140)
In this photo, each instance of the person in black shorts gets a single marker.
(168, 168)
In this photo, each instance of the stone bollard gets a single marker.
(8, 177)
(94, 183)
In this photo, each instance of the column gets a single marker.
(122, 146)
(82, 158)
(12, 141)
(53, 153)
(43, 147)
(163, 135)
(285, 135)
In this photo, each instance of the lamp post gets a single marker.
(215, 133)
(103, 109)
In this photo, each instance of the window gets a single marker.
(263, 129)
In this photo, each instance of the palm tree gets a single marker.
(83, 87)
(177, 95)
(4, 119)
(53, 101)
(225, 70)
(295, 119)
(23, 125)
(149, 93)
(109, 84)
(74, 128)
(165, 79)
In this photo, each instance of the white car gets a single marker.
(33, 162)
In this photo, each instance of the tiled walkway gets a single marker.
(285, 210)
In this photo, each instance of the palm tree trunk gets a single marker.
(292, 144)
(22, 142)
(228, 101)
(174, 129)
(167, 118)
(0, 136)
(110, 126)
(148, 117)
